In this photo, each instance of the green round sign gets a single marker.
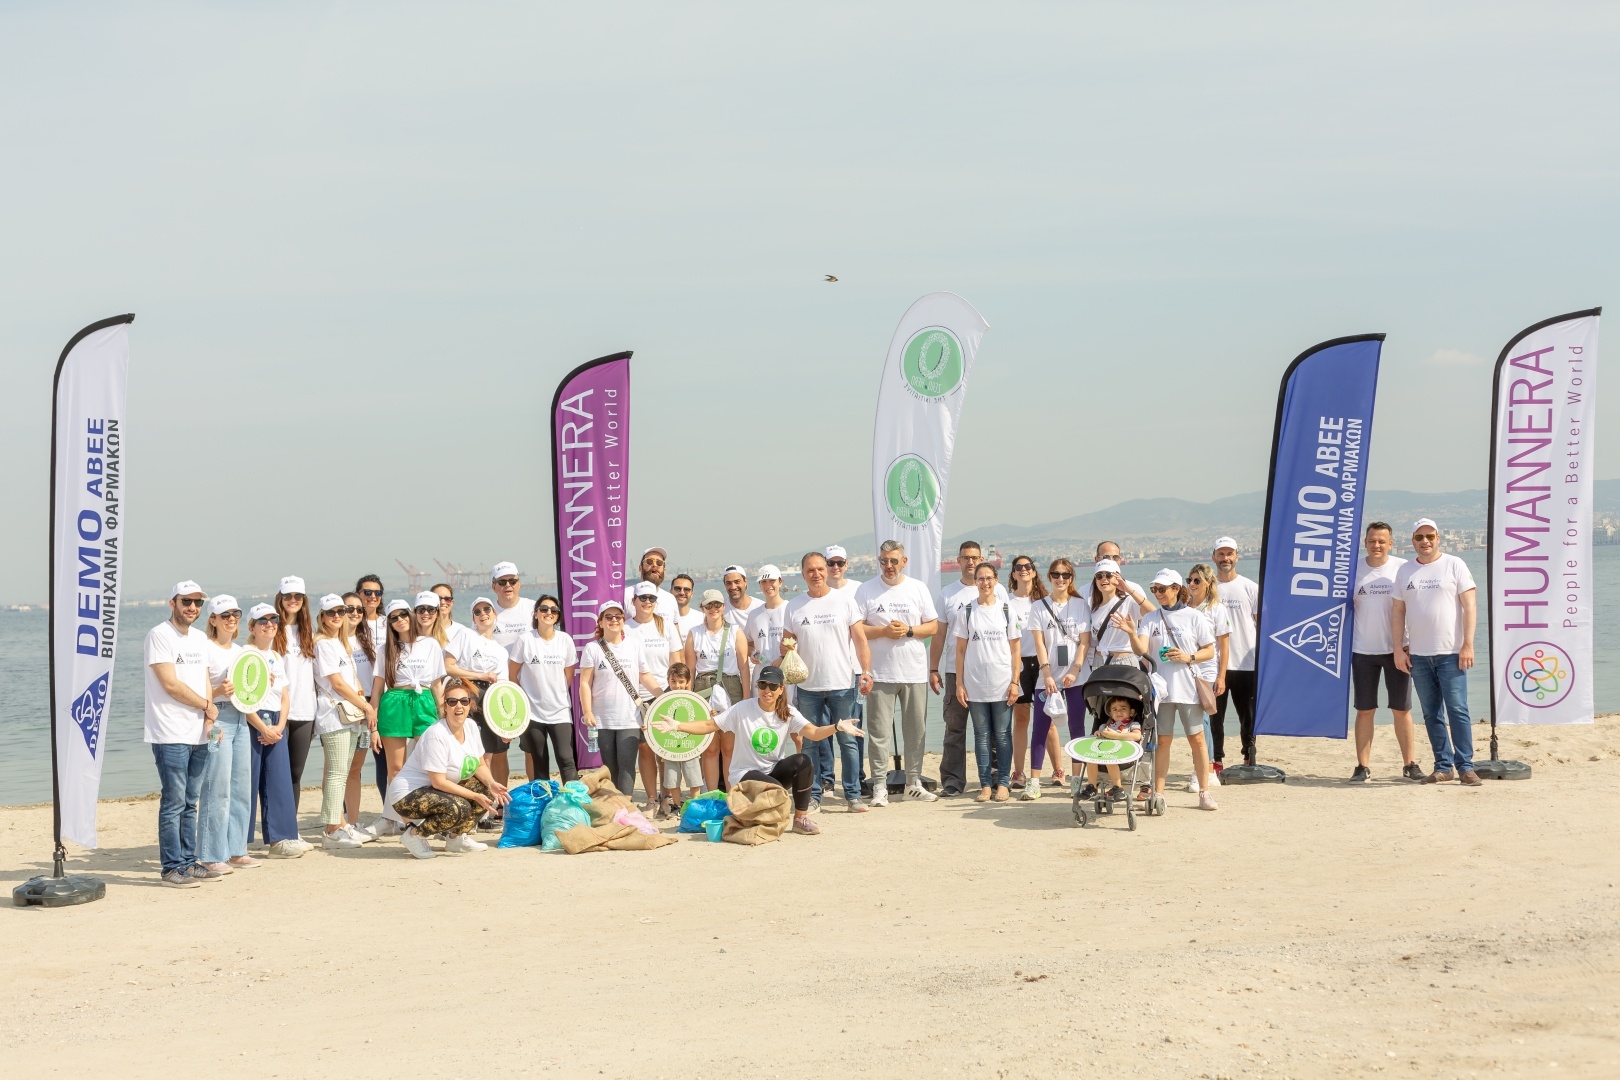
(932, 362)
(506, 709)
(912, 490)
(678, 707)
(1104, 751)
(250, 682)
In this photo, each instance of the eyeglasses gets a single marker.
(837, 562)
(398, 615)
(547, 609)
(370, 592)
(1061, 575)
(189, 601)
(457, 702)
(424, 610)
(889, 562)
(506, 581)
(613, 618)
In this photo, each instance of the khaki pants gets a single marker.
(912, 701)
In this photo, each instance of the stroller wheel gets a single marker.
(1158, 805)
(1079, 814)
(1104, 806)
(1130, 818)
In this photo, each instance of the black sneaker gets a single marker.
(1361, 775)
(1089, 791)
(1413, 771)
(1116, 793)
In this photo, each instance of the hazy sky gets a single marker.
(364, 241)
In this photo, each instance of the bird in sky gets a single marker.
(831, 278)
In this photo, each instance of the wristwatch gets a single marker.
(911, 631)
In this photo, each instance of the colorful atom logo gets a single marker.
(1539, 674)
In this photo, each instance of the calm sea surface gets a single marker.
(128, 770)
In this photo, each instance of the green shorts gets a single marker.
(405, 714)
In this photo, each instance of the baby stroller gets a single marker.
(1134, 685)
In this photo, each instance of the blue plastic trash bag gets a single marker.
(529, 801)
(567, 809)
(709, 806)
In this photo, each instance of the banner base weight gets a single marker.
(1502, 770)
(1253, 774)
(59, 891)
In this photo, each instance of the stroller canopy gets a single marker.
(1118, 680)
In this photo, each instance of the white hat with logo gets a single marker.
(1224, 542)
(1106, 566)
(1167, 576)
(769, 572)
(331, 602)
(260, 611)
(503, 569)
(1421, 522)
(222, 603)
(734, 569)
(187, 588)
(646, 588)
(427, 599)
(291, 584)
(397, 605)
(834, 551)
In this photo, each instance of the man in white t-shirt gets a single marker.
(180, 716)
(899, 614)
(514, 614)
(652, 568)
(739, 605)
(1241, 596)
(1372, 653)
(837, 562)
(686, 616)
(954, 598)
(826, 629)
(1434, 611)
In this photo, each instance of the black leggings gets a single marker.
(299, 733)
(620, 752)
(561, 737)
(1240, 688)
(793, 772)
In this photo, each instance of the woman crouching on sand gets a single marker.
(761, 727)
(445, 783)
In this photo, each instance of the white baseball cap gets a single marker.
(222, 603)
(502, 569)
(1424, 521)
(259, 611)
(645, 588)
(397, 605)
(1224, 542)
(607, 604)
(834, 551)
(187, 588)
(1167, 576)
(659, 550)
(331, 601)
(427, 599)
(290, 584)
(1106, 566)
(743, 570)
(481, 600)
(769, 572)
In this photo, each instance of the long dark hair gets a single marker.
(534, 614)
(391, 653)
(362, 632)
(306, 629)
(1037, 588)
(781, 710)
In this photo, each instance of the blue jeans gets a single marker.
(1442, 690)
(180, 774)
(824, 708)
(992, 720)
(270, 787)
(222, 812)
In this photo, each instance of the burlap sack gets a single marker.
(582, 838)
(760, 813)
(606, 800)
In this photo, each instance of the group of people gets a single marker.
(402, 683)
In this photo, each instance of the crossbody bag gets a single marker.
(624, 681)
(1206, 690)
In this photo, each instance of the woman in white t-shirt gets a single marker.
(363, 649)
(337, 683)
(1204, 595)
(706, 644)
(1176, 639)
(1025, 593)
(270, 796)
(445, 784)
(226, 795)
(475, 656)
(660, 643)
(295, 643)
(374, 627)
(761, 728)
(988, 643)
(542, 662)
(1061, 628)
(610, 670)
(410, 680)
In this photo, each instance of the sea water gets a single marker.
(127, 767)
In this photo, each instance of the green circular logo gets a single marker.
(912, 490)
(469, 765)
(1104, 751)
(678, 707)
(506, 709)
(250, 681)
(765, 741)
(932, 362)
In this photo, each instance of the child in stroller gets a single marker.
(1125, 690)
(1122, 724)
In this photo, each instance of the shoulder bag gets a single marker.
(624, 681)
(1206, 691)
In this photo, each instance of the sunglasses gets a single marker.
(547, 609)
(1195, 581)
(398, 615)
(443, 600)
(837, 562)
(231, 615)
(1161, 588)
(646, 599)
(189, 601)
(332, 613)
(613, 618)
(268, 620)
(889, 562)
(506, 581)
(427, 611)
(482, 609)
(355, 609)
(1060, 575)
(370, 592)
(652, 560)
(1430, 537)
(457, 702)
(685, 590)
(1019, 568)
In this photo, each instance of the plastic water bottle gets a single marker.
(215, 737)
(592, 743)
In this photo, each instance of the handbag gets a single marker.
(794, 669)
(624, 680)
(1206, 690)
(719, 665)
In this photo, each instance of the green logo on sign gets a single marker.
(1104, 751)
(250, 681)
(765, 740)
(912, 490)
(932, 362)
(506, 709)
(678, 707)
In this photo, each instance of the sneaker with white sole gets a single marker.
(354, 832)
(815, 807)
(199, 872)
(1032, 789)
(918, 793)
(856, 806)
(179, 879)
(464, 845)
(1214, 779)
(415, 843)
(880, 796)
(803, 824)
(1206, 801)
(285, 849)
(339, 841)
(381, 827)
(1192, 785)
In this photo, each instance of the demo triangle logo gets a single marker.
(1317, 640)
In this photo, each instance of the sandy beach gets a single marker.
(1311, 929)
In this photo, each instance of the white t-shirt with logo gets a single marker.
(954, 598)
(820, 625)
(1210, 669)
(168, 721)
(219, 664)
(897, 660)
(764, 631)
(1062, 622)
(278, 681)
(437, 751)
(365, 669)
(737, 616)
(1375, 595)
(761, 739)
(300, 679)
(417, 667)
(665, 605)
(1433, 593)
(485, 657)
(657, 649)
(513, 622)
(1193, 631)
(989, 631)
(1241, 596)
(544, 673)
(706, 648)
(1106, 638)
(453, 633)
(614, 709)
(331, 658)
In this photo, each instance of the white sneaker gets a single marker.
(286, 849)
(1214, 779)
(880, 795)
(1192, 784)
(1032, 789)
(918, 793)
(381, 827)
(339, 840)
(464, 845)
(1206, 801)
(356, 833)
(415, 843)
